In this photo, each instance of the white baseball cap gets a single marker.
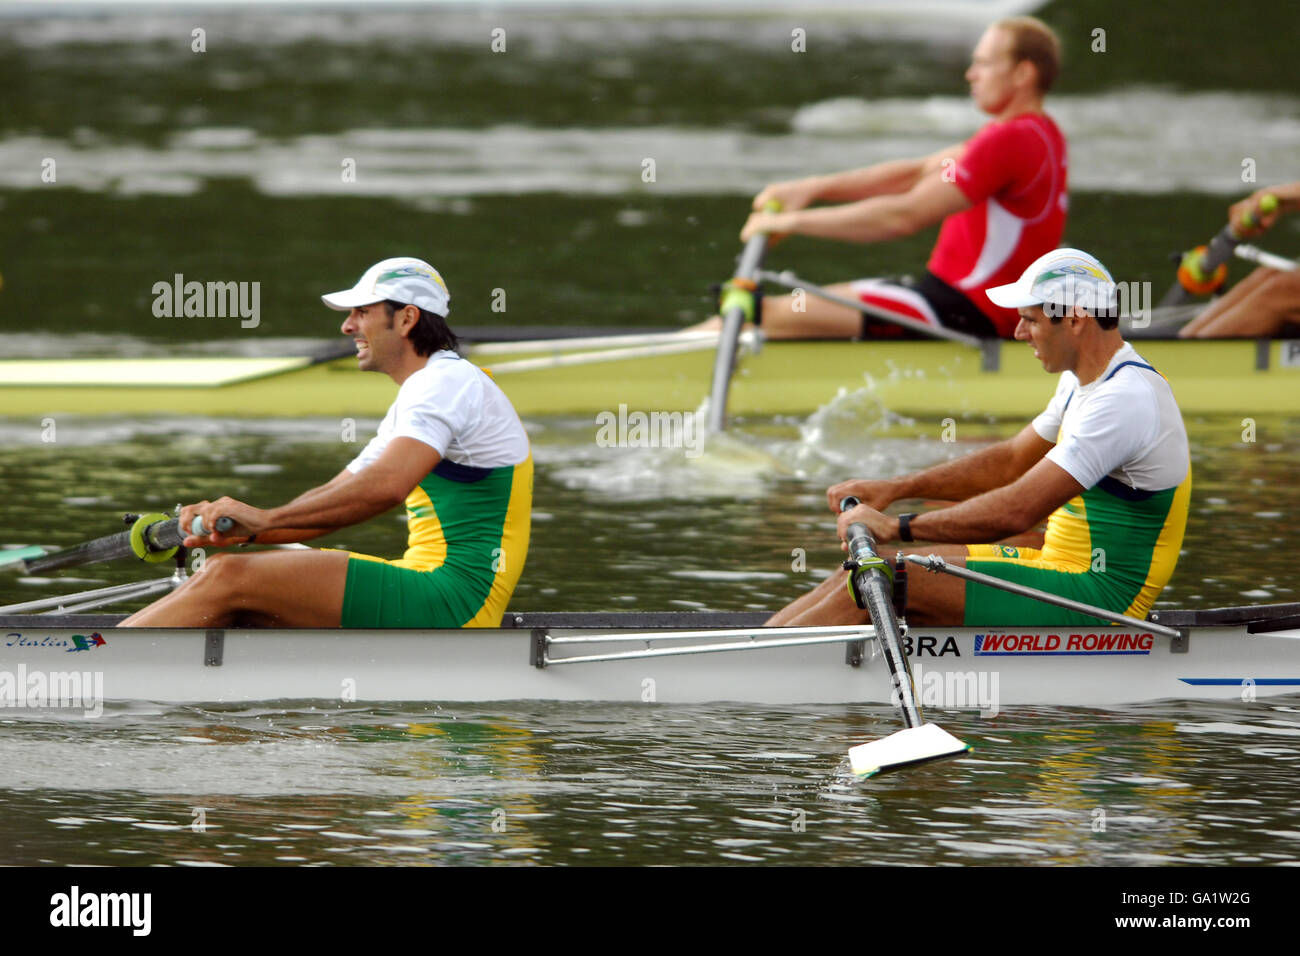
(1058, 281)
(410, 281)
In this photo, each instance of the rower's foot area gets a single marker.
(713, 324)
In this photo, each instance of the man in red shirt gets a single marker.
(1001, 196)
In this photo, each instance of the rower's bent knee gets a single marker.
(221, 572)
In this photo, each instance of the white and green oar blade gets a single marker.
(12, 556)
(905, 748)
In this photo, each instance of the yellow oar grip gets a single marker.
(1267, 206)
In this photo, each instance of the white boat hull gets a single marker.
(965, 668)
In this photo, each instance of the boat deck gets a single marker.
(922, 378)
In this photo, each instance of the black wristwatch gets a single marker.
(905, 526)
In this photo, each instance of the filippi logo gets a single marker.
(83, 643)
(78, 642)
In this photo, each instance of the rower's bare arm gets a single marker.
(880, 218)
(974, 474)
(382, 485)
(881, 179)
(310, 493)
(942, 160)
(296, 535)
(1003, 512)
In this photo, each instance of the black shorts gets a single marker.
(938, 302)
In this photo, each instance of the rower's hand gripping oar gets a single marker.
(871, 585)
(1203, 270)
(739, 303)
(224, 525)
(153, 538)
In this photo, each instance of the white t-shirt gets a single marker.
(1125, 424)
(455, 408)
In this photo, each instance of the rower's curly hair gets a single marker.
(430, 334)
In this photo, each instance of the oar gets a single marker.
(871, 585)
(1261, 258)
(682, 342)
(792, 281)
(574, 343)
(738, 304)
(152, 538)
(1204, 269)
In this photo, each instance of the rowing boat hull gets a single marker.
(930, 379)
(953, 668)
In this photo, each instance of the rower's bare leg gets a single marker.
(787, 614)
(1257, 306)
(1223, 303)
(819, 320)
(264, 589)
(932, 599)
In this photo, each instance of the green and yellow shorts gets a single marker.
(383, 593)
(990, 607)
(1110, 546)
(468, 538)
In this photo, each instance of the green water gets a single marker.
(560, 260)
(109, 94)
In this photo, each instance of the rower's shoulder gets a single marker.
(1034, 132)
(444, 365)
(1137, 383)
(1032, 123)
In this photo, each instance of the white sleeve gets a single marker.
(1048, 422)
(1117, 426)
(436, 409)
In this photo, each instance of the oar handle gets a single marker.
(224, 524)
(872, 590)
(1267, 206)
(1203, 270)
(859, 535)
(1222, 245)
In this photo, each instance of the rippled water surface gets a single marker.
(573, 784)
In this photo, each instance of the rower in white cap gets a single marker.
(451, 447)
(1106, 463)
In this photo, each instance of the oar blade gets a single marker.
(905, 748)
(12, 556)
